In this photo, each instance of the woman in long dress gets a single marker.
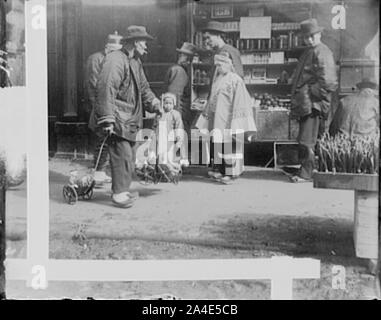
(230, 115)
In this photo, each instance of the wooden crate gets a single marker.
(286, 153)
(271, 125)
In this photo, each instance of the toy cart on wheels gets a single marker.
(81, 185)
(71, 192)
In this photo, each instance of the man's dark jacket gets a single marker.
(314, 81)
(122, 93)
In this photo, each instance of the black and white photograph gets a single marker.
(212, 131)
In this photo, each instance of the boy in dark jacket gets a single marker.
(314, 81)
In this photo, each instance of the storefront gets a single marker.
(77, 29)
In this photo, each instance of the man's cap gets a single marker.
(309, 27)
(188, 48)
(137, 32)
(214, 26)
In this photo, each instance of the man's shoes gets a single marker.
(101, 177)
(290, 171)
(124, 199)
(214, 174)
(226, 180)
(184, 163)
(298, 179)
(133, 195)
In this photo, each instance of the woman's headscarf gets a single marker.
(222, 58)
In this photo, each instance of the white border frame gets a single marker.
(37, 269)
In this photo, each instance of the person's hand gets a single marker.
(156, 106)
(109, 129)
(178, 142)
(205, 115)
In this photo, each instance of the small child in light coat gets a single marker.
(166, 145)
(170, 134)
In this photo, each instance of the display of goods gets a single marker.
(272, 102)
(348, 154)
(201, 77)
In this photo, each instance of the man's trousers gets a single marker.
(228, 159)
(122, 160)
(307, 138)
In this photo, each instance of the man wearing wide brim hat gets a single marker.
(176, 80)
(123, 95)
(314, 80)
(189, 49)
(310, 27)
(213, 35)
(358, 114)
(93, 67)
(137, 33)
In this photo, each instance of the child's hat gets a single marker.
(169, 95)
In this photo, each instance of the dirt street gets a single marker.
(260, 215)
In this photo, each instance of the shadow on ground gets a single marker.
(201, 175)
(291, 235)
(265, 175)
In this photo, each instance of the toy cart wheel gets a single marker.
(147, 180)
(175, 179)
(144, 176)
(70, 194)
(89, 194)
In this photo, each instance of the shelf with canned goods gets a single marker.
(291, 64)
(202, 65)
(276, 85)
(273, 50)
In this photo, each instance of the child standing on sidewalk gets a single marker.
(169, 127)
(167, 147)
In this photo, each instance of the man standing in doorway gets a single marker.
(93, 68)
(213, 36)
(177, 82)
(122, 93)
(314, 81)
